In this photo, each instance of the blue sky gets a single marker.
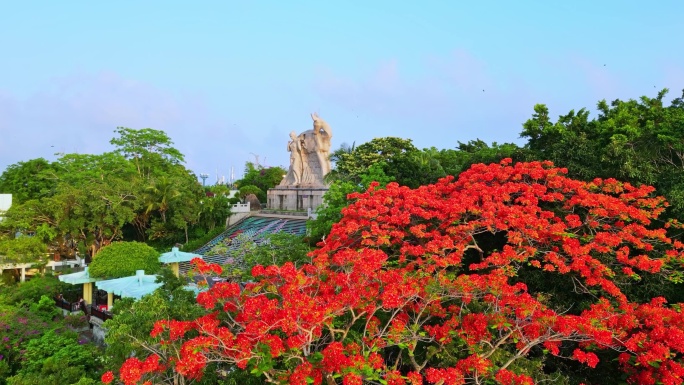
(230, 79)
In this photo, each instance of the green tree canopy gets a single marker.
(83, 202)
(56, 358)
(23, 249)
(149, 149)
(251, 189)
(122, 259)
(262, 177)
(640, 141)
(352, 162)
(28, 180)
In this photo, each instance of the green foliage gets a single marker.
(23, 249)
(252, 189)
(411, 167)
(214, 211)
(83, 202)
(352, 162)
(45, 308)
(477, 151)
(18, 326)
(57, 357)
(28, 180)
(241, 377)
(128, 332)
(329, 212)
(336, 198)
(92, 201)
(31, 291)
(122, 259)
(162, 193)
(262, 177)
(203, 240)
(87, 381)
(148, 148)
(75, 321)
(639, 141)
(277, 249)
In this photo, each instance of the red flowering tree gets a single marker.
(427, 286)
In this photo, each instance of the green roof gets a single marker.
(135, 286)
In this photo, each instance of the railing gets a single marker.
(68, 306)
(101, 314)
(73, 307)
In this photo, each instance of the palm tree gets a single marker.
(337, 156)
(160, 194)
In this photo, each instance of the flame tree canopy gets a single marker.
(463, 281)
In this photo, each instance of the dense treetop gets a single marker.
(430, 285)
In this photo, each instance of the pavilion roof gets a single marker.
(176, 256)
(77, 278)
(135, 286)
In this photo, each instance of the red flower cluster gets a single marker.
(133, 370)
(405, 277)
(205, 268)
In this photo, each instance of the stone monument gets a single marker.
(303, 186)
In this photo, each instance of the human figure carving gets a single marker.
(322, 135)
(294, 175)
(309, 155)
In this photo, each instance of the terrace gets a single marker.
(251, 229)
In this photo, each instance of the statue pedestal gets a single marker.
(290, 198)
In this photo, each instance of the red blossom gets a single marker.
(107, 377)
(392, 275)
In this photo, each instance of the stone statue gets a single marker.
(309, 156)
(294, 175)
(322, 134)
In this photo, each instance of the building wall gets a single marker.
(295, 199)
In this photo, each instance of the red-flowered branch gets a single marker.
(404, 291)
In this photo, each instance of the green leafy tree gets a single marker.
(35, 215)
(173, 205)
(639, 141)
(128, 332)
(28, 180)
(402, 161)
(455, 161)
(213, 211)
(96, 199)
(24, 294)
(122, 259)
(45, 308)
(18, 326)
(340, 153)
(23, 249)
(149, 149)
(57, 357)
(252, 189)
(276, 249)
(162, 193)
(92, 201)
(262, 177)
(352, 162)
(336, 198)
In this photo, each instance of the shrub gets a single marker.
(122, 259)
